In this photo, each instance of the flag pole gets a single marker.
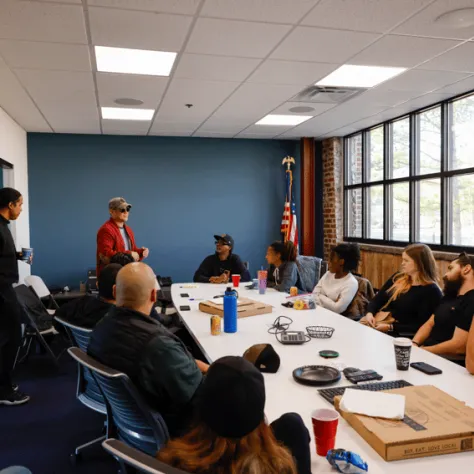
(286, 229)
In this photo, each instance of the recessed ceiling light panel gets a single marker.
(360, 76)
(120, 113)
(284, 120)
(134, 61)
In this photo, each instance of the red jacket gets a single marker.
(110, 242)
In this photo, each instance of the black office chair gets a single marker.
(129, 417)
(87, 392)
(38, 324)
(140, 462)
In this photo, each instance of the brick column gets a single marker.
(332, 193)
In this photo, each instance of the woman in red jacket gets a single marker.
(115, 236)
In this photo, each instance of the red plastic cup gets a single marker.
(325, 423)
(235, 280)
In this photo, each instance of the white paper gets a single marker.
(377, 404)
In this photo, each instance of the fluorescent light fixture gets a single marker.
(120, 113)
(134, 61)
(359, 76)
(290, 120)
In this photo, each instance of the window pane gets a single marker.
(354, 159)
(401, 148)
(462, 213)
(375, 212)
(354, 212)
(430, 141)
(462, 141)
(429, 211)
(375, 147)
(401, 212)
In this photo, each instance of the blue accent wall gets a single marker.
(183, 191)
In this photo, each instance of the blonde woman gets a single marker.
(408, 298)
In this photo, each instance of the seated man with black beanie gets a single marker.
(156, 361)
(88, 310)
(219, 267)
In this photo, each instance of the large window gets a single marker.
(412, 179)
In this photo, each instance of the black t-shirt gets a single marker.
(452, 313)
(212, 266)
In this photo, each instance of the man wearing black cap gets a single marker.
(219, 267)
(11, 202)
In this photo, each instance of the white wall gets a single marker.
(13, 150)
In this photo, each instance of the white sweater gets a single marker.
(335, 294)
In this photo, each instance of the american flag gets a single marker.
(289, 226)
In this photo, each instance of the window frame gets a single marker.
(444, 175)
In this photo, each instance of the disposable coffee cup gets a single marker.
(402, 346)
(325, 423)
(26, 254)
(236, 280)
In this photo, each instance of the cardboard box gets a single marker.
(443, 425)
(246, 307)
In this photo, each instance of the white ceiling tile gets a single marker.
(267, 11)
(424, 24)
(291, 72)
(184, 7)
(36, 21)
(203, 134)
(205, 96)
(214, 68)
(362, 15)
(216, 125)
(34, 55)
(125, 127)
(55, 87)
(77, 2)
(256, 136)
(426, 100)
(318, 108)
(148, 89)
(458, 59)
(235, 38)
(460, 87)
(320, 45)
(171, 132)
(402, 51)
(265, 130)
(252, 101)
(16, 102)
(138, 30)
(422, 81)
(387, 97)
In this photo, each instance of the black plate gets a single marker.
(318, 375)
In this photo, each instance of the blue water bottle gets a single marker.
(230, 310)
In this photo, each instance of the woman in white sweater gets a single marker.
(338, 287)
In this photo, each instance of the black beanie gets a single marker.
(264, 357)
(232, 400)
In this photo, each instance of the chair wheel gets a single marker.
(75, 458)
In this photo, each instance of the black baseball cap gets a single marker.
(263, 357)
(232, 399)
(226, 238)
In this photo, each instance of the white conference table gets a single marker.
(358, 346)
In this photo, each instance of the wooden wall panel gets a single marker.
(379, 267)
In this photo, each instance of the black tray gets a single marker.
(316, 375)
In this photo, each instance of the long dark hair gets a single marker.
(287, 250)
(203, 451)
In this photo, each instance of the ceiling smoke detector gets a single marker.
(327, 94)
(128, 102)
(463, 18)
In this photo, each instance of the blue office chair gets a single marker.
(140, 462)
(129, 417)
(87, 392)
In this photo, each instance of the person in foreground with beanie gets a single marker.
(231, 435)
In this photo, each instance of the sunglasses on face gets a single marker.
(221, 242)
(125, 209)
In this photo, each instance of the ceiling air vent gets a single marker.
(327, 95)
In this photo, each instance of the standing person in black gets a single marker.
(408, 298)
(446, 332)
(11, 202)
(219, 267)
